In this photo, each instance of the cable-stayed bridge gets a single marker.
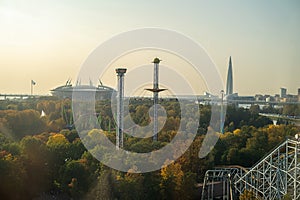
(275, 117)
(17, 96)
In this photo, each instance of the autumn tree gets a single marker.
(21, 123)
(74, 178)
(171, 181)
(12, 174)
(35, 157)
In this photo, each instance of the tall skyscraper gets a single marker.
(283, 92)
(229, 83)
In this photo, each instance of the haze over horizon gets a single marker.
(47, 41)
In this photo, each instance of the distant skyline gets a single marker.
(47, 41)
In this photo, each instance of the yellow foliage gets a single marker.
(57, 139)
(94, 132)
(173, 172)
(9, 157)
(118, 177)
(272, 126)
(237, 131)
(222, 136)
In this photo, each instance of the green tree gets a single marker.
(254, 109)
(171, 181)
(287, 197)
(58, 147)
(127, 184)
(188, 188)
(21, 123)
(291, 109)
(12, 174)
(35, 157)
(74, 178)
(151, 183)
(103, 188)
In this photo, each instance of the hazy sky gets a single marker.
(47, 41)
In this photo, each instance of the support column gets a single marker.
(120, 107)
(155, 99)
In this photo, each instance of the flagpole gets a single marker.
(31, 88)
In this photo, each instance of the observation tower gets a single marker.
(155, 91)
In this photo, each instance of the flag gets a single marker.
(43, 114)
(33, 82)
(100, 82)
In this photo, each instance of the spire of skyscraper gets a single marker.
(229, 83)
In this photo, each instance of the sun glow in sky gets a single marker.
(47, 41)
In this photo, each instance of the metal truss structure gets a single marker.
(218, 182)
(275, 175)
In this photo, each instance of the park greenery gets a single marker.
(42, 157)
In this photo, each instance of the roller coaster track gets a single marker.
(275, 175)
